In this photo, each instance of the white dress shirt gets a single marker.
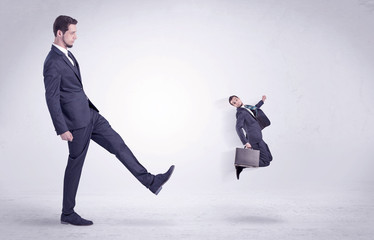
(249, 110)
(65, 51)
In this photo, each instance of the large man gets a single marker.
(247, 121)
(77, 120)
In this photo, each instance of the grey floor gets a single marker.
(253, 214)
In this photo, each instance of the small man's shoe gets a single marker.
(75, 219)
(238, 171)
(160, 179)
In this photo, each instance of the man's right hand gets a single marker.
(247, 145)
(67, 136)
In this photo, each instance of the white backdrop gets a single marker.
(161, 73)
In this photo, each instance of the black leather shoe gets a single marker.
(238, 171)
(75, 219)
(160, 179)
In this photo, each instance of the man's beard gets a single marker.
(67, 45)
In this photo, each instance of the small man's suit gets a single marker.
(253, 135)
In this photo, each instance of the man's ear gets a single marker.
(59, 33)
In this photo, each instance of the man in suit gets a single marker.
(78, 121)
(246, 120)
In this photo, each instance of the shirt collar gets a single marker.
(64, 50)
(249, 110)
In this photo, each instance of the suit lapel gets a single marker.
(246, 111)
(67, 61)
(76, 68)
(71, 66)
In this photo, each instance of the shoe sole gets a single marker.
(158, 190)
(67, 223)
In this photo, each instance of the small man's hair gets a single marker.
(231, 97)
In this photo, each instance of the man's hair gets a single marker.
(231, 97)
(62, 23)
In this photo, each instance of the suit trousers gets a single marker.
(100, 132)
(265, 154)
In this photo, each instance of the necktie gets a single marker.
(250, 107)
(71, 58)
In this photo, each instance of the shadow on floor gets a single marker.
(41, 222)
(141, 222)
(253, 219)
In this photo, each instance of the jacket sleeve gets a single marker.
(259, 104)
(239, 127)
(52, 80)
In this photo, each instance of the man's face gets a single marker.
(236, 102)
(70, 36)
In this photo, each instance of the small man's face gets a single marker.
(236, 102)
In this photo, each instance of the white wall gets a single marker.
(161, 73)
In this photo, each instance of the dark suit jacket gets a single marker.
(67, 103)
(245, 121)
